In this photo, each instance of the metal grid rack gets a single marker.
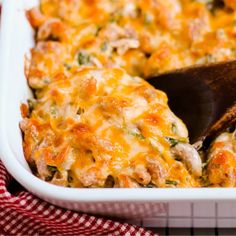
(186, 218)
(194, 231)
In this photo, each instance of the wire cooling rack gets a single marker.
(194, 231)
(186, 218)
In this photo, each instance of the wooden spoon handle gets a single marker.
(227, 120)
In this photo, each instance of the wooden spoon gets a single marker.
(227, 122)
(199, 95)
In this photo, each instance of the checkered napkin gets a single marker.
(21, 213)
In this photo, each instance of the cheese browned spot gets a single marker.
(103, 127)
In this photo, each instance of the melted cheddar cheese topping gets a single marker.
(93, 122)
(104, 128)
(143, 37)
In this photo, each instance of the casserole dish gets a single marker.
(16, 40)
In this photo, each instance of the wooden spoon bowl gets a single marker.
(199, 95)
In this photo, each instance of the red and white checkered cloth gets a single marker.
(21, 213)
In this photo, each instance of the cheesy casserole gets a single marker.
(93, 122)
(104, 128)
(143, 37)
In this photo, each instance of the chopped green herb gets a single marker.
(207, 184)
(150, 186)
(220, 33)
(83, 58)
(67, 66)
(31, 104)
(52, 169)
(99, 27)
(172, 141)
(134, 132)
(112, 19)
(205, 181)
(174, 128)
(46, 80)
(147, 19)
(104, 46)
(138, 135)
(171, 182)
(115, 17)
(53, 109)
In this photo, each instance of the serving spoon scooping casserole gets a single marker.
(199, 95)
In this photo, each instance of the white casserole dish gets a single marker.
(16, 41)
